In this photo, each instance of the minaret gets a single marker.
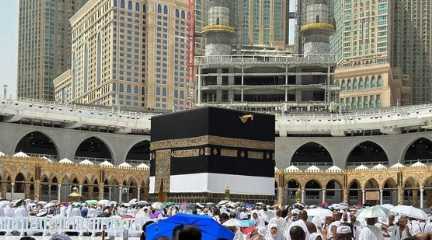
(218, 32)
(317, 28)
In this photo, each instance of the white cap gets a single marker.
(343, 229)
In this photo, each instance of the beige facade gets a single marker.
(398, 184)
(63, 88)
(44, 40)
(46, 180)
(371, 86)
(388, 32)
(130, 54)
(262, 23)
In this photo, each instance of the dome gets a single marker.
(313, 169)
(419, 165)
(46, 159)
(86, 162)
(21, 155)
(397, 166)
(125, 165)
(2, 154)
(292, 169)
(334, 169)
(66, 161)
(379, 167)
(143, 166)
(361, 168)
(106, 164)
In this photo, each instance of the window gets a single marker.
(115, 3)
(122, 3)
(177, 13)
(130, 5)
(137, 7)
(317, 19)
(159, 8)
(165, 10)
(183, 14)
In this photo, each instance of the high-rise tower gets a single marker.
(218, 31)
(44, 42)
(317, 27)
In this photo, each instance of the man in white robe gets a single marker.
(370, 231)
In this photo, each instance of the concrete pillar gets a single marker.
(324, 191)
(81, 189)
(421, 196)
(242, 83)
(12, 190)
(286, 83)
(27, 191)
(59, 192)
(110, 193)
(219, 83)
(120, 193)
(381, 196)
(138, 193)
(363, 196)
(199, 86)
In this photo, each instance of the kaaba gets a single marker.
(209, 154)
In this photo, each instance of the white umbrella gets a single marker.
(157, 205)
(373, 212)
(232, 223)
(410, 211)
(104, 202)
(388, 206)
(338, 206)
(319, 212)
(133, 201)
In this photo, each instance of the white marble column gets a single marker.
(59, 192)
(303, 196)
(363, 196)
(12, 190)
(381, 196)
(110, 193)
(138, 193)
(421, 196)
(80, 189)
(324, 195)
(120, 194)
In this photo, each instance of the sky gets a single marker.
(9, 42)
(8, 45)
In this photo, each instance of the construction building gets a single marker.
(267, 80)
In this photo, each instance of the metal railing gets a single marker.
(266, 59)
(41, 155)
(368, 164)
(425, 161)
(135, 162)
(309, 164)
(94, 160)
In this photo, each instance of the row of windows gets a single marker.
(361, 83)
(361, 102)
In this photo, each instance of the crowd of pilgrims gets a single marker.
(247, 221)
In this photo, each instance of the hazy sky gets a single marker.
(9, 42)
(8, 45)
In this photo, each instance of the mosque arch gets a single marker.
(139, 152)
(37, 143)
(419, 150)
(95, 149)
(334, 192)
(354, 192)
(313, 194)
(312, 153)
(367, 152)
